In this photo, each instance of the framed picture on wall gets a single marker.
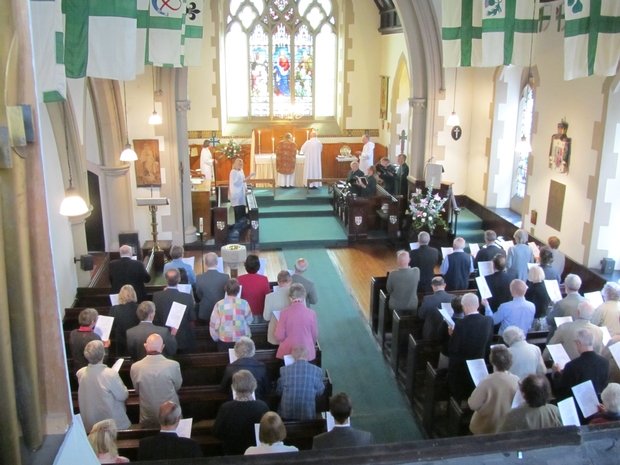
(383, 104)
(148, 171)
(559, 151)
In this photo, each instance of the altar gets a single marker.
(265, 168)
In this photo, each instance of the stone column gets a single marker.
(417, 141)
(118, 193)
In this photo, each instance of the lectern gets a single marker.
(153, 203)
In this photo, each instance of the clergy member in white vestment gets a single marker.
(367, 154)
(237, 188)
(206, 164)
(312, 149)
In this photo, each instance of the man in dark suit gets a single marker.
(433, 327)
(401, 185)
(245, 350)
(164, 300)
(499, 283)
(353, 175)
(470, 339)
(342, 435)
(210, 287)
(127, 271)
(368, 184)
(490, 249)
(425, 258)
(387, 174)
(167, 444)
(136, 336)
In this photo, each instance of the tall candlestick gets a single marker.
(200, 225)
(307, 134)
(273, 145)
(259, 141)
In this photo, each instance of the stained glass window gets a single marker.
(271, 58)
(524, 133)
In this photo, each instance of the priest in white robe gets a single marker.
(206, 164)
(312, 149)
(367, 155)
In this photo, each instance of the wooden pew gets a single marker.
(419, 354)
(384, 319)
(404, 323)
(100, 296)
(458, 419)
(377, 284)
(435, 390)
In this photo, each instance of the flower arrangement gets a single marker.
(232, 150)
(426, 210)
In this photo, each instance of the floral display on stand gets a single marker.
(426, 210)
(232, 150)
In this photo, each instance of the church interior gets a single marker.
(536, 146)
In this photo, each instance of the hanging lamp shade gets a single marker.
(155, 118)
(523, 145)
(453, 120)
(73, 204)
(128, 154)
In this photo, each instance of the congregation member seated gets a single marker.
(136, 336)
(490, 249)
(469, 339)
(210, 287)
(244, 351)
(368, 184)
(176, 253)
(587, 366)
(271, 435)
(387, 174)
(425, 258)
(566, 334)
(546, 263)
(492, 398)
(254, 287)
(234, 424)
(428, 309)
(457, 266)
(499, 283)
(537, 292)
(609, 409)
(277, 301)
(167, 445)
(231, 318)
(342, 434)
(608, 314)
(354, 174)
(102, 439)
(568, 305)
(101, 392)
(301, 266)
(558, 257)
(298, 386)
(537, 412)
(519, 255)
(78, 338)
(125, 317)
(297, 325)
(518, 312)
(402, 284)
(164, 300)
(156, 380)
(526, 357)
(125, 270)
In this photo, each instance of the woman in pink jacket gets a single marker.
(297, 325)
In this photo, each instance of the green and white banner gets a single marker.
(164, 36)
(461, 32)
(591, 38)
(192, 34)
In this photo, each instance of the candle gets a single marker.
(200, 225)
(259, 141)
(307, 134)
(273, 145)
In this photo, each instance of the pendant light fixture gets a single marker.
(523, 144)
(128, 154)
(453, 119)
(73, 204)
(155, 118)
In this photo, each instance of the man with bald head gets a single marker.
(156, 380)
(127, 271)
(210, 287)
(518, 312)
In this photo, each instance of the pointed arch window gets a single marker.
(272, 70)
(524, 146)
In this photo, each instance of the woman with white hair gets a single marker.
(608, 314)
(609, 410)
(102, 439)
(519, 255)
(526, 357)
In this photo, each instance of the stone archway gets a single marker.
(400, 108)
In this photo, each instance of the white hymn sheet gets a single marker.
(558, 354)
(176, 315)
(477, 370)
(263, 266)
(220, 264)
(134, 257)
(414, 245)
(289, 360)
(117, 365)
(485, 268)
(615, 352)
(553, 289)
(483, 288)
(446, 316)
(447, 306)
(276, 313)
(257, 433)
(103, 327)
(474, 249)
(189, 261)
(586, 398)
(531, 265)
(595, 298)
(231, 355)
(508, 244)
(184, 430)
(568, 412)
(185, 288)
(606, 335)
(517, 400)
(114, 299)
(534, 248)
(445, 251)
(329, 419)
(560, 320)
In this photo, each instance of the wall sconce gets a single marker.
(128, 153)
(87, 262)
(73, 204)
